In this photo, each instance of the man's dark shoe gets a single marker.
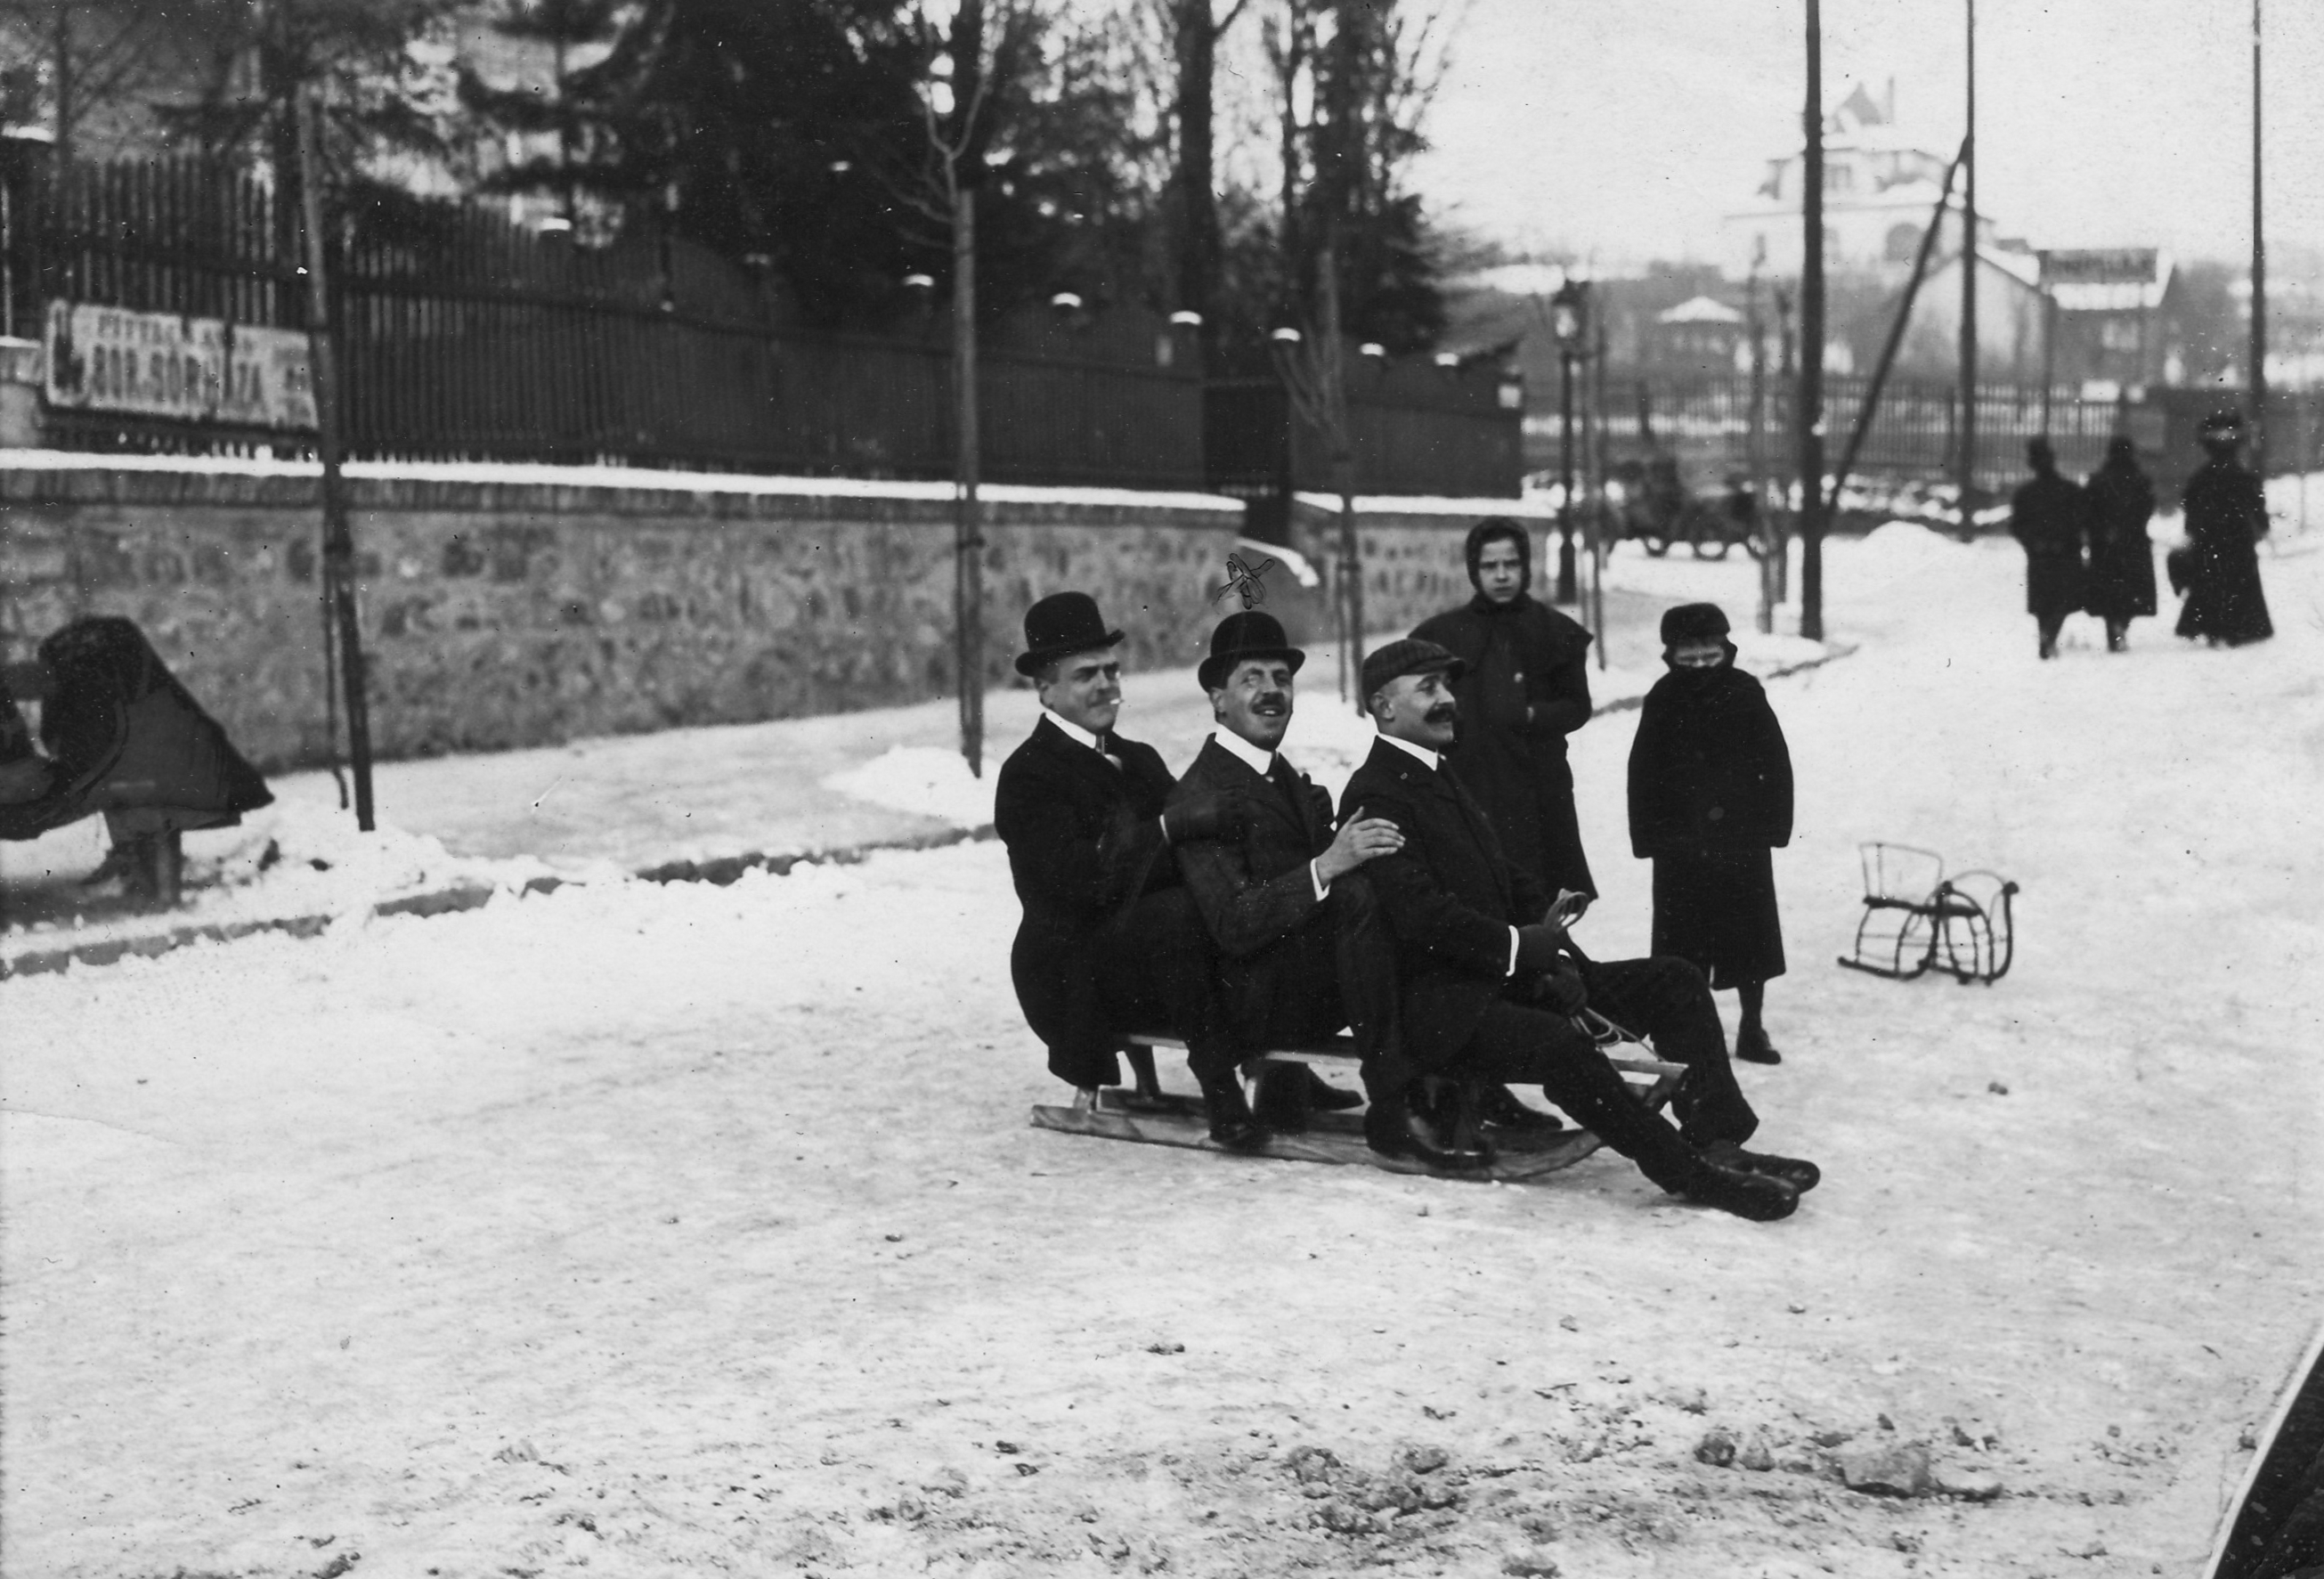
(1232, 1124)
(1281, 1100)
(1752, 1196)
(1393, 1129)
(1797, 1172)
(1752, 1046)
(1498, 1107)
(1322, 1096)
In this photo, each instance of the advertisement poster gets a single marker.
(163, 364)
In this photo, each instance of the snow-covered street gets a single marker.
(660, 1229)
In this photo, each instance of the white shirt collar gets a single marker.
(1261, 762)
(1075, 732)
(1421, 751)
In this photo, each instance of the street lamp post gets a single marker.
(1568, 309)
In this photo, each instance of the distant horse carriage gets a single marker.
(1651, 504)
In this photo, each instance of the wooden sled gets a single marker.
(1521, 1157)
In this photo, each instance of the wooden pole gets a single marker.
(2258, 278)
(1810, 416)
(1966, 460)
(339, 538)
(1871, 404)
(968, 537)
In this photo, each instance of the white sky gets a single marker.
(1625, 128)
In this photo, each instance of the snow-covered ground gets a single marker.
(650, 1230)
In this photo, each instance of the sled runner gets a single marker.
(1521, 1157)
(1917, 919)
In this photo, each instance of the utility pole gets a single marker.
(1810, 416)
(1967, 459)
(2258, 280)
(339, 538)
(968, 537)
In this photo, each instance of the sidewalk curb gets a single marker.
(464, 896)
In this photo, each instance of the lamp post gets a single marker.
(1568, 313)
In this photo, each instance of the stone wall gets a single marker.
(510, 614)
(1412, 554)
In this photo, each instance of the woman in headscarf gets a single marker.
(1525, 688)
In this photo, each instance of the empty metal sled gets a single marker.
(1917, 919)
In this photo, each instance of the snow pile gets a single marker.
(292, 858)
(921, 779)
(1904, 548)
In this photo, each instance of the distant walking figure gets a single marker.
(2226, 514)
(2048, 515)
(2122, 560)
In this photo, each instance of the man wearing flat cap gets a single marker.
(1110, 940)
(1303, 947)
(1490, 984)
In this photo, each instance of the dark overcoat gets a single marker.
(1257, 898)
(2227, 514)
(1450, 895)
(2122, 559)
(2049, 515)
(1525, 688)
(1710, 795)
(1085, 842)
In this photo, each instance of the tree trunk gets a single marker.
(968, 596)
(1199, 242)
(1811, 329)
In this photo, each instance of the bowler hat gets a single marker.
(1410, 655)
(1694, 622)
(1253, 633)
(1061, 624)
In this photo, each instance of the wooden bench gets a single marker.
(1522, 1156)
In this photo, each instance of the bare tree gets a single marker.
(979, 48)
(1194, 28)
(101, 57)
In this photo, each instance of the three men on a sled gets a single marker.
(1230, 906)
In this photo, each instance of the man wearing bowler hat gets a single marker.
(1110, 941)
(1489, 983)
(1303, 947)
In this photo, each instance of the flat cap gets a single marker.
(1410, 655)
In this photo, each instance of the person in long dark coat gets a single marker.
(1710, 797)
(2050, 515)
(1110, 939)
(1526, 687)
(2121, 501)
(2226, 515)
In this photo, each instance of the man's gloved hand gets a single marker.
(1562, 989)
(1538, 947)
(1210, 816)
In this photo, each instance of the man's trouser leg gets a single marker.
(1364, 956)
(1159, 969)
(1667, 999)
(1529, 1047)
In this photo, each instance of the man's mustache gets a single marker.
(1442, 713)
(1271, 703)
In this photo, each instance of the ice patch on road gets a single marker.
(922, 779)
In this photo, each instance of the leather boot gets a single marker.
(1232, 1124)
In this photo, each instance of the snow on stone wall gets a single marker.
(500, 613)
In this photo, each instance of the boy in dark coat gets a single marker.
(2226, 515)
(2048, 515)
(1710, 796)
(2122, 560)
(1524, 687)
